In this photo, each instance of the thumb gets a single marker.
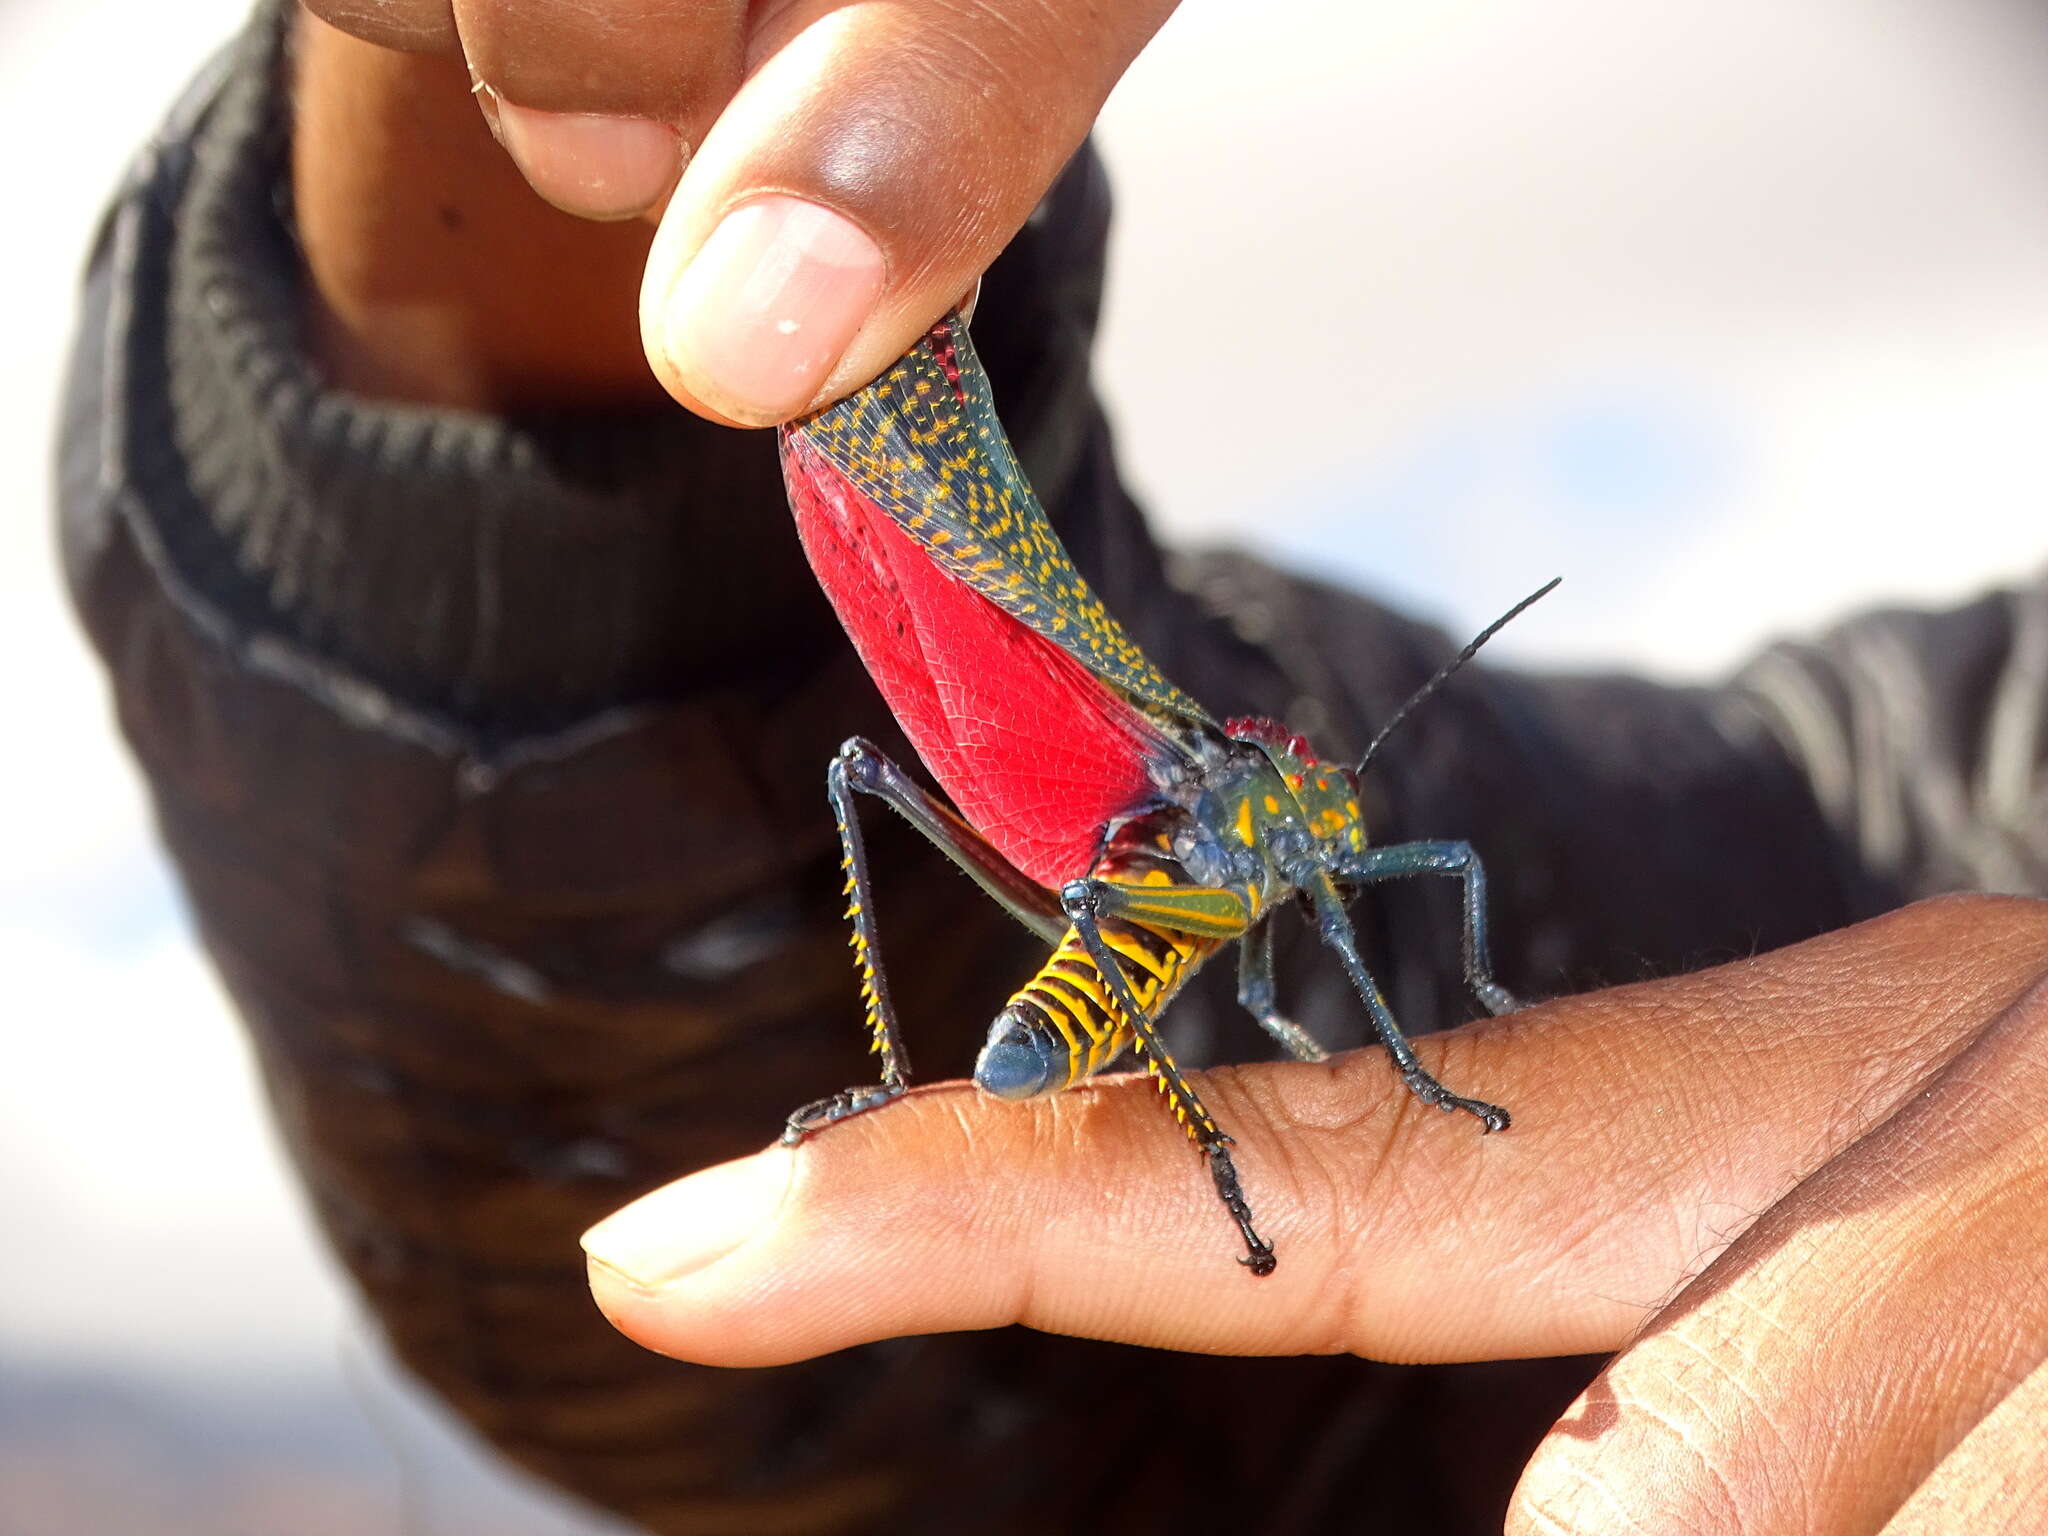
(1652, 1123)
(876, 159)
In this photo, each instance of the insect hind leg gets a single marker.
(1083, 902)
(860, 768)
(886, 1039)
(1336, 931)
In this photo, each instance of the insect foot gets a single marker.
(841, 1106)
(1259, 1257)
(1495, 998)
(1432, 1092)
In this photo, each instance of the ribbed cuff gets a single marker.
(525, 569)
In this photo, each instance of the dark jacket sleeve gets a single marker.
(490, 753)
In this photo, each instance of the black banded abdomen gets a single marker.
(1064, 1024)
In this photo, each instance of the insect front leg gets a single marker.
(1258, 996)
(1400, 859)
(1085, 903)
(1335, 927)
(860, 769)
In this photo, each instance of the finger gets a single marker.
(1845, 1345)
(875, 161)
(599, 104)
(461, 290)
(410, 26)
(1996, 1482)
(1649, 1121)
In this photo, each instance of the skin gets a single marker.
(1804, 1197)
(934, 126)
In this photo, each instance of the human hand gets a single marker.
(846, 170)
(1805, 1196)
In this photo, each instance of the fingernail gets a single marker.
(593, 166)
(768, 305)
(694, 1222)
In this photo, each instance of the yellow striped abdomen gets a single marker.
(1064, 1024)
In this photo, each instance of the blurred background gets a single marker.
(1733, 312)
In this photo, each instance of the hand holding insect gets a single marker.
(1803, 1194)
(828, 179)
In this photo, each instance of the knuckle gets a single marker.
(1313, 1189)
(1328, 1155)
(674, 60)
(1974, 918)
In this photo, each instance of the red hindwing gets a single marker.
(1035, 750)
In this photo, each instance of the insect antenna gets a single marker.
(1443, 673)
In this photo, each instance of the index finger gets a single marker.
(1652, 1124)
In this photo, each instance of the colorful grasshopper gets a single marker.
(1103, 808)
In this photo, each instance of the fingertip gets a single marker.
(858, 1234)
(594, 165)
(694, 1222)
(757, 319)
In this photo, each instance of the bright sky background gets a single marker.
(1733, 312)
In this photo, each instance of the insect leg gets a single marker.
(1391, 863)
(887, 1040)
(1217, 914)
(1335, 927)
(1256, 994)
(1206, 911)
(861, 767)
(1084, 902)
